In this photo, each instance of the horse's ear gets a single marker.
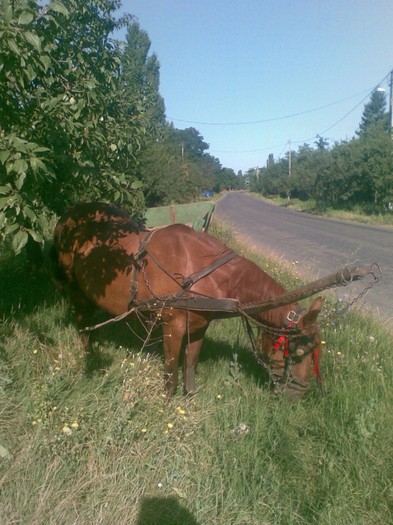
(312, 314)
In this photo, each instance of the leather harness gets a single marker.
(180, 299)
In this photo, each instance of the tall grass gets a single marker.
(93, 441)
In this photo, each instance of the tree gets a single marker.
(321, 143)
(191, 143)
(63, 132)
(175, 166)
(374, 112)
(141, 79)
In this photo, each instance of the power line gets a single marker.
(308, 111)
(273, 119)
(346, 114)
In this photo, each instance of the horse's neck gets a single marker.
(277, 317)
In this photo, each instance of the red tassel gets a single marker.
(317, 371)
(282, 340)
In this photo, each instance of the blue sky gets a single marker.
(236, 71)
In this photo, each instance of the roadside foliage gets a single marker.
(62, 133)
(81, 118)
(351, 174)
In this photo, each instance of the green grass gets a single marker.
(95, 442)
(357, 214)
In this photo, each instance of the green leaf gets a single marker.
(11, 228)
(30, 72)
(19, 241)
(45, 61)
(58, 7)
(40, 149)
(137, 185)
(43, 221)
(33, 39)
(29, 213)
(37, 165)
(5, 190)
(4, 155)
(13, 46)
(20, 166)
(35, 235)
(4, 201)
(25, 18)
(7, 13)
(51, 103)
(20, 180)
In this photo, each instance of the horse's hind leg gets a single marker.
(191, 358)
(173, 334)
(182, 327)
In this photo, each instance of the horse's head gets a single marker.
(290, 355)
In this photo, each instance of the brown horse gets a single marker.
(108, 261)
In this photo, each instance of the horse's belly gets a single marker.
(116, 298)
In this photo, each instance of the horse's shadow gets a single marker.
(164, 511)
(131, 335)
(24, 287)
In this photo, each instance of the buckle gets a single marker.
(293, 317)
(133, 287)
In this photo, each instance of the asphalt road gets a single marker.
(316, 246)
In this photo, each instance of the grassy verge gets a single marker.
(356, 215)
(95, 442)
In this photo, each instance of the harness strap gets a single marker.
(189, 281)
(142, 251)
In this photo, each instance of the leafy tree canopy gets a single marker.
(64, 134)
(374, 112)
